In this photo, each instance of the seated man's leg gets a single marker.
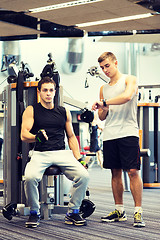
(80, 179)
(33, 174)
(75, 172)
(80, 183)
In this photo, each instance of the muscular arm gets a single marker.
(72, 140)
(130, 90)
(27, 123)
(103, 111)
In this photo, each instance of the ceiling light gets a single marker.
(134, 17)
(62, 5)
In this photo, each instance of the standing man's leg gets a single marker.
(117, 190)
(136, 187)
(117, 186)
(112, 161)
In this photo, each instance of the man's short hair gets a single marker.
(106, 55)
(45, 80)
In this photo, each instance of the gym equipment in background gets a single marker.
(87, 207)
(148, 118)
(93, 71)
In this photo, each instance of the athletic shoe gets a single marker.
(75, 219)
(138, 220)
(115, 216)
(33, 220)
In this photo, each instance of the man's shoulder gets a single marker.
(28, 111)
(130, 78)
(29, 108)
(61, 108)
(35, 104)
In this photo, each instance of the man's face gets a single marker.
(47, 92)
(109, 67)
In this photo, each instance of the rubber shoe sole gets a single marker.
(72, 222)
(139, 225)
(114, 220)
(121, 219)
(31, 225)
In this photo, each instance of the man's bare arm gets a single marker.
(130, 90)
(27, 124)
(72, 140)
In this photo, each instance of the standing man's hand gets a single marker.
(99, 105)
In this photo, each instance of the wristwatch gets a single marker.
(104, 103)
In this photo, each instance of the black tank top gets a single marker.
(53, 122)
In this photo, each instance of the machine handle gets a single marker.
(145, 152)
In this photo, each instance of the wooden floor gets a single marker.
(101, 195)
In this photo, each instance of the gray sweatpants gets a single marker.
(70, 167)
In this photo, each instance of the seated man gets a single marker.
(45, 125)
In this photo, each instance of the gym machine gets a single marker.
(14, 164)
(148, 118)
(16, 97)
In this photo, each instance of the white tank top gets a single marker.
(121, 120)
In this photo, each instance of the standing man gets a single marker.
(45, 126)
(118, 107)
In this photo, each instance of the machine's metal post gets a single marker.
(148, 162)
(158, 144)
(7, 143)
(61, 190)
(11, 189)
(61, 100)
(13, 167)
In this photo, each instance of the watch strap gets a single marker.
(104, 103)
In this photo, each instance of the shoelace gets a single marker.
(116, 211)
(137, 216)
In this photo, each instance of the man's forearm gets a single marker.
(102, 114)
(28, 137)
(74, 146)
(121, 99)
